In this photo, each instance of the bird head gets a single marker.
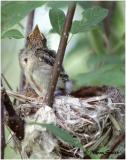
(36, 39)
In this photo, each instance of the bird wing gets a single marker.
(49, 56)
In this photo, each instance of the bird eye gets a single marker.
(28, 38)
(25, 59)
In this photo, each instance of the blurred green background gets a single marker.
(94, 56)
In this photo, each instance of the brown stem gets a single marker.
(15, 123)
(107, 23)
(60, 53)
(108, 19)
(7, 83)
(110, 5)
(29, 25)
(2, 132)
(28, 30)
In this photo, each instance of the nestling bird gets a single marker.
(37, 62)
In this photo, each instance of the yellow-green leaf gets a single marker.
(91, 17)
(57, 18)
(13, 33)
(12, 12)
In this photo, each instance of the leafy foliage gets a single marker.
(91, 17)
(61, 134)
(58, 4)
(86, 4)
(13, 33)
(13, 12)
(103, 150)
(111, 75)
(97, 59)
(57, 18)
(97, 154)
(103, 59)
(97, 41)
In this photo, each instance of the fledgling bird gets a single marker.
(37, 63)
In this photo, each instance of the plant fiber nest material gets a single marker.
(95, 122)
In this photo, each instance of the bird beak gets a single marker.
(36, 30)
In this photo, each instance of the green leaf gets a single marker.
(13, 12)
(111, 74)
(57, 18)
(67, 137)
(103, 59)
(103, 150)
(4, 2)
(96, 41)
(92, 155)
(61, 134)
(58, 4)
(98, 153)
(86, 4)
(13, 33)
(91, 17)
(118, 26)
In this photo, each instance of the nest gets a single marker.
(95, 122)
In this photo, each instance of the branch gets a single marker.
(2, 132)
(29, 25)
(7, 83)
(61, 52)
(107, 22)
(15, 123)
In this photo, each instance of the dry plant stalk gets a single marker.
(61, 52)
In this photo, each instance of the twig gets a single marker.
(15, 123)
(22, 82)
(29, 25)
(7, 83)
(28, 30)
(89, 144)
(96, 98)
(15, 141)
(108, 19)
(107, 24)
(70, 39)
(2, 131)
(60, 53)
(20, 97)
(114, 122)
